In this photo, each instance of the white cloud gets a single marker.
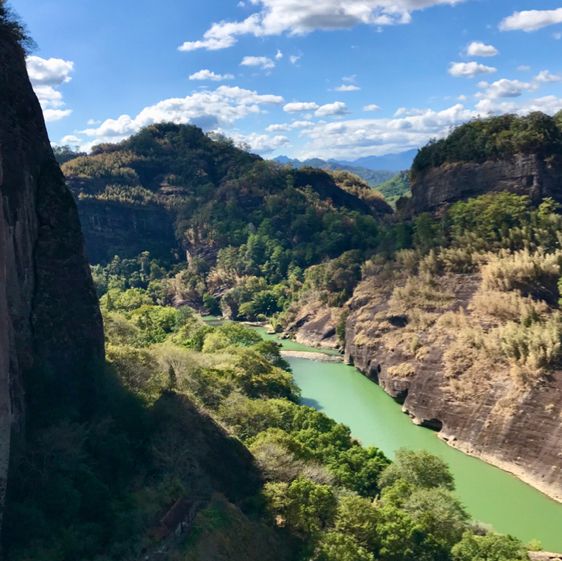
(285, 127)
(362, 137)
(505, 88)
(523, 68)
(259, 143)
(347, 88)
(469, 69)
(47, 75)
(371, 107)
(298, 106)
(531, 20)
(209, 75)
(50, 71)
(258, 61)
(55, 114)
(294, 58)
(278, 55)
(477, 48)
(276, 17)
(208, 109)
(331, 109)
(545, 77)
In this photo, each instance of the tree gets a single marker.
(491, 547)
(306, 507)
(359, 469)
(357, 517)
(420, 469)
(336, 546)
(440, 515)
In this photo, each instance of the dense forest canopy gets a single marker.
(495, 138)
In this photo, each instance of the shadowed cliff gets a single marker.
(49, 316)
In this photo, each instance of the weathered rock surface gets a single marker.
(484, 411)
(314, 324)
(523, 174)
(49, 316)
(111, 228)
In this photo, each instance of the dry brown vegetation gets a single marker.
(487, 316)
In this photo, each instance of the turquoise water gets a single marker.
(490, 495)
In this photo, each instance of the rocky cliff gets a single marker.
(49, 316)
(421, 343)
(522, 174)
(126, 229)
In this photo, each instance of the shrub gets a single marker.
(533, 274)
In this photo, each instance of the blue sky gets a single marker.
(327, 78)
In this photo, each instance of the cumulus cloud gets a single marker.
(371, 107)
(208, 75)
(208, 109)
(410, 128)
(505, 88)
(477, 48)
(362, 137)
(258, 61)
(347, 88)
(298, 106)
(47, 75)
(294, 58)
(276, 17)
(331, 109)
(49, 71)
(51, 115)
(531, 20)
(469, 69)
(259, 143)
(278, 55)
(545, 77)
(285, 127)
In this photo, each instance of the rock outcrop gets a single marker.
(49, 316)
(522, 174)
(314, 324)
(418, 355)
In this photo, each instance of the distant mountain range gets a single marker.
(375, 170)
(388, 163)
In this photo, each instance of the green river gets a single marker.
(491, 495)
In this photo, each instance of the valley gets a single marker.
(208, 355)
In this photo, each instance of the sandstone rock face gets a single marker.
(112, 228)
(523, 174)
(482, 411)
(49, 316)
(314, 324)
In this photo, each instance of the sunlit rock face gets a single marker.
(522, 174)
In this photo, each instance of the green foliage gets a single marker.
(336, 546)
(493, 138)
(395, 187)
(490, 547)
(419, 469)
(359, 469)
(305, 507)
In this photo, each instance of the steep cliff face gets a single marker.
(522, 174)
(423, 357)
(49, 316)
(111, 228)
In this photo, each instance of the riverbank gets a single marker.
(312, 355)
